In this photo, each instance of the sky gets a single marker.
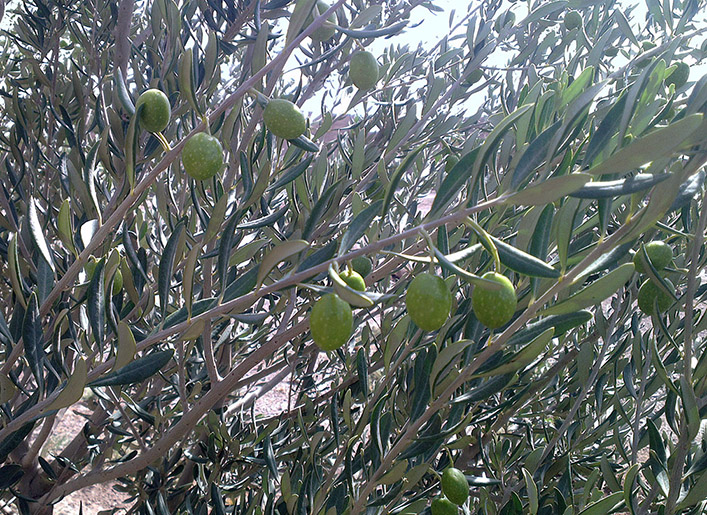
(428, 28)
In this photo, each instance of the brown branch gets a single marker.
(122, 35)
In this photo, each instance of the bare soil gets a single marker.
(103, 499)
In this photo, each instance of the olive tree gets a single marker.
(163, 256)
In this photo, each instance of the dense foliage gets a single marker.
(170, 292)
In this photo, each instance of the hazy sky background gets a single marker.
(428, 28)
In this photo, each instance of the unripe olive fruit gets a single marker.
(451, 161)
(649, 292)
(494, 308)
(475, 76)
(443, 506)
(90, 267)
(363, 70)
(572, 20)
(428, 301)
(117, 281)
(202, 156)
(362, 265)
(659, 253)
(155, 112)
(507, 18)
(353, 279)
(324, 31)
(284, 119)
(679, 76)
(648, 44)
(331, 322)
(455, 486)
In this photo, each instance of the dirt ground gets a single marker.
(102, 499)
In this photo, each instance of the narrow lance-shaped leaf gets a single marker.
(35, 230)
(188, 276)
(261, 183)
(549, 191)
(543, 11)
(659, 143)
(89, 177)
(186, 79)
(259, 56)
(291, 174)
(131, 148)
(610, 189)
(304, 143)
(575, 114)
(318, 210)
(278, 254)
(126, 347)
(523, 357)
(688, 190)
(605, 132)
(629, 479)
(217, 216)
(32, 339)
(397, 175)
(358, 227)
(9, 475)
(660, 368)
(560, 323)
(453, 182)
(136, 371)
(164, 278)
(565, 226)
(73, 391)
(266, 220)
(449, 266)
(495, 137)
(403, 128)
(303, 8)
(690, 405)
(121, 90)
(13, 259)
(10, 443)
(395, 474)
(95, 302)
(578, 85)
(596, 292)
(534, 155)
(241, 286)
(523, 263)
(532, 490)
(64, 225)
(374, 33)
(362, 369)
(660, 201)
(604, 506)
(219, 508)
(485, 240)
(7, 388)
(696, 494)
(45, 280)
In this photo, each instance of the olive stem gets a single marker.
(482, 234)
(430, 249)
(163, 141)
